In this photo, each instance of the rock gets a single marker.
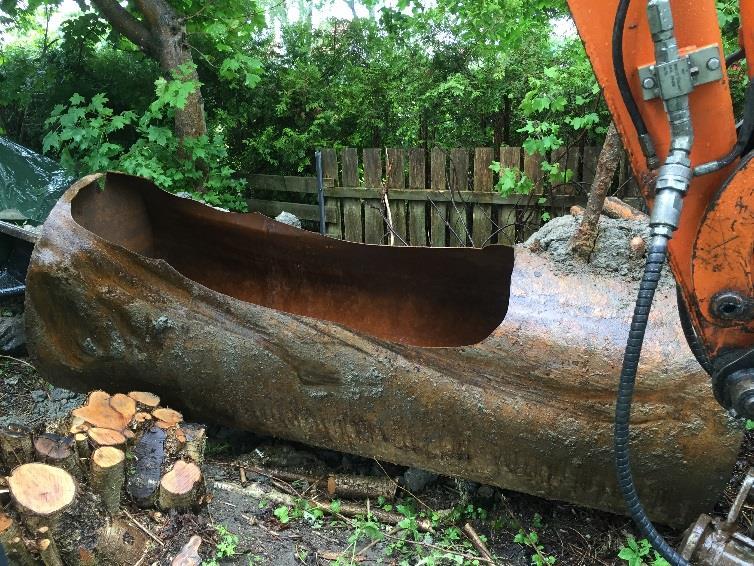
(38, 395)
(288, 218)
(12, 335)
(415, 480)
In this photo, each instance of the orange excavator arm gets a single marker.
(663, 73)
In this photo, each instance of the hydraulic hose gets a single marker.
(656, 256)
(625, 89)
(697, 348)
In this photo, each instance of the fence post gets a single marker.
(352, 222)
(395, 179)
(438, 212)
(330, 169)
(459, 181)
(374, 225)
(510, 158)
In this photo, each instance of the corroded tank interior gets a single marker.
(410, 295)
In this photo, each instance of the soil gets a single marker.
(575, 536)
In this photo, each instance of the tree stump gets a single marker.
(108, 474)
(16, 446)
(11, 539)
(101, 437)
(195, 442)
(145, 401)
(41, 493)
(181, 487)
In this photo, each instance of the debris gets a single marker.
(181, 487)
(108, 474)
(477, 542)
(289, 219)
(189, 554)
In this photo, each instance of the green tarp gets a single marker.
(30, 184)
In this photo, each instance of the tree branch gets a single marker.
(125, 23)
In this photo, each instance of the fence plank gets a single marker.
(330, 171)
(532, 170)
(482, 213)
(396, 179)
(510, 157)
(309, 212)
(374, 224)
(590, 155)
(459, 181)
(438, 211)
(353, 229)
(417, 210)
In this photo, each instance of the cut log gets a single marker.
(108, 474)
(616, 208)
(167, 416)
(41, 493)
(525, 404)
(146, 467)
(16, 445)
(181, 487)
(60, 451)
(49, 552)
(195, 438)
(12, 541)
(82, 445)
(106, 437)
(99, 412)
(144, 399)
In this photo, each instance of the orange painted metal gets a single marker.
(746, 32)
(714, 129)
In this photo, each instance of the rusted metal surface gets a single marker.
(717, 542)
(136, 301)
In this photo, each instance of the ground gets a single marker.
(243, 529)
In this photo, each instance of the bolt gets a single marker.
(649, 83)
(729, 305)
(713, 64)
(740, 392)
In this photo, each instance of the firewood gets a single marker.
(41, 493)
(180, 488)
(195, 442)
(78, 425)
(82, 444)
(49, 552)
(189, 554)
(108, 474)
(11, 539)
(99, 412)
(145, 469)
(616, 208)
(16, 446)
(167, 416)
(59, 451)
(124, 405)
(106, 437)
(144, 399)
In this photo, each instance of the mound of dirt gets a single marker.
(613, 254)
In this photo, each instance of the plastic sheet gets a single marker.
(30, 184)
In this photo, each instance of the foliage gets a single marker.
(224, 548)
(84, 136)
(638, 553)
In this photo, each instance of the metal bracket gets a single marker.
(680, 77)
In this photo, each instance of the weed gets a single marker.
(225, 547)
(217, 448)
(531, 539)
(637, 553)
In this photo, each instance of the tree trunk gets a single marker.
(585, 237)
(527, 404)
(161, 34)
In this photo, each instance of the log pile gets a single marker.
(65, 488)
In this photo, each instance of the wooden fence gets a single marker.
(440, 198)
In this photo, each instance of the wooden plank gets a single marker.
(532, 170)
(374, 225)
(510, 157)
(417, 210)
(459, 181)
(309, 212)
(330, 171)
(590, 156)
(395, 179)
(438, 211)
(482, 213)
(285, 184)
(353, 224)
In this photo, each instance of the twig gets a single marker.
(393, 531)
(435, 547)
(149, 533)
(19, 361)
(477, 542)
(400, 487)
(389, 217)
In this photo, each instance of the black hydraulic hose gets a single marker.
(625, 89)
(734, 58)
(652, 271)
(697, 348)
